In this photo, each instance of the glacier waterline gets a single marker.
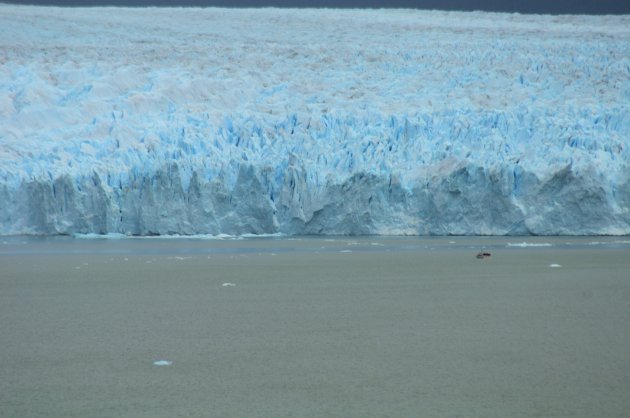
(176, 121)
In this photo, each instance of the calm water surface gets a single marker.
(315, 327)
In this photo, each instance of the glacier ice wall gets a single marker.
(211, 121)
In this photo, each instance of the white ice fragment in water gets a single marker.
(555, 265)
(345, 251)
(529, 244)
(228, 284)
(162, 363)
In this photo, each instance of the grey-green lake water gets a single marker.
(315, 327)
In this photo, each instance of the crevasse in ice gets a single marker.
(238, 121)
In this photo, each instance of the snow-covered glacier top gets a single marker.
(166, 120)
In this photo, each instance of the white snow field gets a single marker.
(264, 121)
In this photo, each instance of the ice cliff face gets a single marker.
(190, 121)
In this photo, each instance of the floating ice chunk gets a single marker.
(345, 251)
(608, 242)
(529, 244)
(162, 363)
(555, 265)
(228, 284)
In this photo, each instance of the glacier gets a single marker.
(154, 121)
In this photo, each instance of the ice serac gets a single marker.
(175, 121)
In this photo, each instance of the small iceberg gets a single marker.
(162, 363)
(555, 265)
(528, 244)
(228, 284)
